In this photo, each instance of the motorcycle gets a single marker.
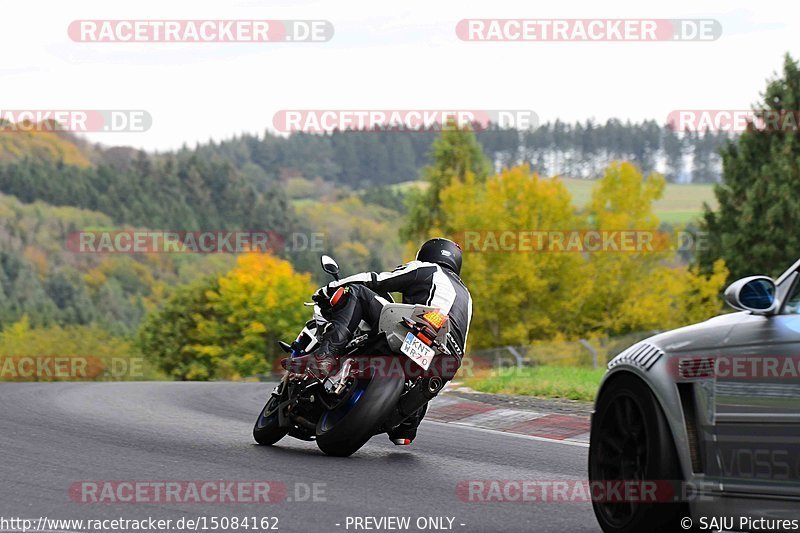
(380, 382)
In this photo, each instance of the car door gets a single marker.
(757, 404)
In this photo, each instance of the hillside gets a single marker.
(43, 145)
(178, 192)
(41, 278)
(52, 184)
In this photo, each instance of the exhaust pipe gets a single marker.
(421, 393)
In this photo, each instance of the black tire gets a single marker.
(630, 440)
(266, 431)
(341, 432)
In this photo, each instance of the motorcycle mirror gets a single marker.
(330, 266)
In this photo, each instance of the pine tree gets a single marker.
(673, 151)
(755, 228)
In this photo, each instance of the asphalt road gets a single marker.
(54, 435)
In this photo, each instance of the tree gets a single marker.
(172, 338)
(673, 151)
(755, 227)
(631, 291)
(228, 327)
(518, 295)
(87, 352)
(456, 156)
(355, 231)
(530, 292)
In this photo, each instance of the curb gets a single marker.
(558, 427)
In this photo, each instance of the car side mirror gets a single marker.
(330, 266)
(755, 294)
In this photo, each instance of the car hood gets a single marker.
(702, 336)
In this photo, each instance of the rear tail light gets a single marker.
(435, 319)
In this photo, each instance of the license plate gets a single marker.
(418, 351)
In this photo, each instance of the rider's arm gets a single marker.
(395, 281)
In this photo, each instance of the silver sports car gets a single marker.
(699, 428)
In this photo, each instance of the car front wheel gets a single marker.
(631, 444)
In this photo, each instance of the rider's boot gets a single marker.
(335, 336)
(320, 364)
(405, 433)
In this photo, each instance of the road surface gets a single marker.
(66, 443)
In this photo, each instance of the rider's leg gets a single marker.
(444, 367)
(405, 433)
(357, 303)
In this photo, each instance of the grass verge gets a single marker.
(544, 381)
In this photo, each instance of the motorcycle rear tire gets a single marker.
(343, 431)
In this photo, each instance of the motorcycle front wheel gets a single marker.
(267, 431)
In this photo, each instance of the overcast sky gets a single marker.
(384, 55)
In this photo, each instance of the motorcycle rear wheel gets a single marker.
(344, 430)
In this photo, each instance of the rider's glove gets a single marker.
(323, 296)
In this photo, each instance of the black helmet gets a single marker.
(442, 252)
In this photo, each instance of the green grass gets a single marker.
(543, 381)
(406, 186)
(679, 204)
(302, 202)
(679, 217)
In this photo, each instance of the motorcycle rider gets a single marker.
(432, 279)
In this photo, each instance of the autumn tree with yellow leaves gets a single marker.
(522, 294)
(517, 296)
(228, 327)
(638, 291)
